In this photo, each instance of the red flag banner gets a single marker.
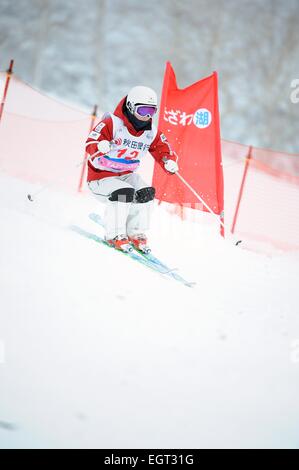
(189, 118)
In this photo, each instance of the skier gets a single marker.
(116, 147)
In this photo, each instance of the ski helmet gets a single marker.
(141, 95)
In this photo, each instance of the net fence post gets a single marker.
(247, 162)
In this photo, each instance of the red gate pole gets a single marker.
(93, 117)
(247, 161)
(8, 76)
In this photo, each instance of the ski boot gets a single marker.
(139, 241)
(120, 242)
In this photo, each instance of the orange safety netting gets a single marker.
(41, 140)
(268, 210)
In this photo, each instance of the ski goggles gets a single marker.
(144, 110)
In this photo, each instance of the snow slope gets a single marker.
(98, 351)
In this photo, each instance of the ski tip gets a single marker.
(190, 284)
(95, 217)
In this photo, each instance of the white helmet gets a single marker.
(141, 95)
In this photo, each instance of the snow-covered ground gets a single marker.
(98, 351)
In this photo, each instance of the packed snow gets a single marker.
(99, 351)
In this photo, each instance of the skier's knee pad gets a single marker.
(145, 194)
(122, 195)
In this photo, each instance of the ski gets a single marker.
(171, 272)
(150, 257)
(131, 254)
